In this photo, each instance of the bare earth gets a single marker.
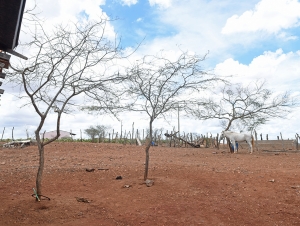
(191, 186)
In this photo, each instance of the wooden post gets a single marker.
(282, 142)
(132, 134)
(121, 131)
(296, 141)
(217, 139)
(2, 134)
(256, 143)
(12, 133)
(130, 137)
(178, 123)
(261, 136)
(267, 137)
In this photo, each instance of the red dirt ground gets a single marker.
(191, 186)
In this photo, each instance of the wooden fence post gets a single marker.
(282, 142)
(2, 134)
(296, 141)
(132, 134)
(256, 143)
(121, 134)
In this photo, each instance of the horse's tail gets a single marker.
(252, 141)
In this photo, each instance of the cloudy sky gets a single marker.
(253, 39)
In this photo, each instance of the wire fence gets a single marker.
(171, 139)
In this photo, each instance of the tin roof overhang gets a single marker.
(11, 14)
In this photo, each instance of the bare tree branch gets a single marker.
(244, 106)
(157, 85)
(67, 67)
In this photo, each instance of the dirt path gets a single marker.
(191, 186)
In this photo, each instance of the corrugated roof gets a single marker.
(11, 14)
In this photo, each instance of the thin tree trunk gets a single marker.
(40, 170)
(147, 151)
(147, 160)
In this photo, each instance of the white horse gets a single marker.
(233, 137)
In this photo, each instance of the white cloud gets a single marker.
(63, 12)
(279, 69)
(286, 36)
(268, 15)
(195, 25)
(161, 3)
(68, 9)
(281, 73)
(129, 2)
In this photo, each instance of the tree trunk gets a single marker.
(40, 170)
(147, 151)
(147, 160)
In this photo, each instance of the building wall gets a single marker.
(51, 134)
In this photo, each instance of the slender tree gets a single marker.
(157, 86)
(65, 66)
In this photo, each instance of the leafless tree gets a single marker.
(67, 66)
(157, 86)
(244, 107)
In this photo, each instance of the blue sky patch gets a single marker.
(136, 22)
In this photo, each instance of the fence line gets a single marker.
(172, 139)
